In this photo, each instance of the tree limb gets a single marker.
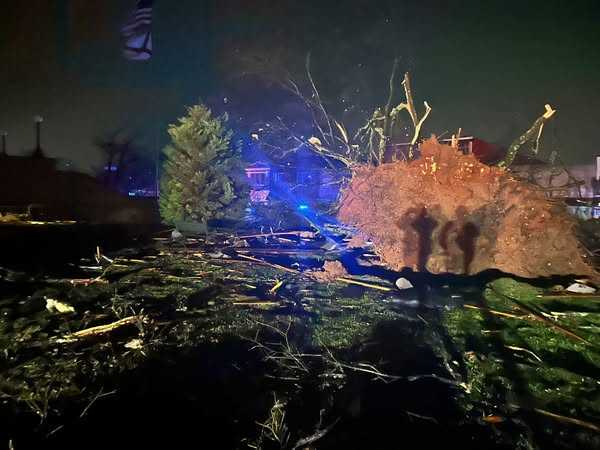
(535, 130)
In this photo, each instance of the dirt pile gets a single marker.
(332, 270)
(449, 213)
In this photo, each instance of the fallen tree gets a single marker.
(440, 211)
(449, 213)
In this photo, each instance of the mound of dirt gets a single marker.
(332, 270)
(449, 213)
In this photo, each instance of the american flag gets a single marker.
(137, 32)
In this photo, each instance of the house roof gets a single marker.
(257, 167)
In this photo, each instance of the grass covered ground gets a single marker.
(170, 342)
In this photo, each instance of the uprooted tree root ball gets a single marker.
(449, 213)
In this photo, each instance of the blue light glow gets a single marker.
(303, 207)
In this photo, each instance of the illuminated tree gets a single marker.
(202, 176)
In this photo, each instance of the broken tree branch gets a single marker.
(387, 128)
(536, 315)
(263, 262)
(300, 233)
(364, 284)
(101, 329)
(535, 130)
(319, 103)
(420, 124)
(497, 313)
(570, 420)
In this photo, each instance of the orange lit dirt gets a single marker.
(449, 213)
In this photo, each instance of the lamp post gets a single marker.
(38, 130)
(596, 190)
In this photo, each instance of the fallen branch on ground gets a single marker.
(521, 349)
(276, 287)
(540, 317)
(561, 418)
(98, 396)
(304, 442)
(569, 296)
(364, 284)
(265, 263)
(497, 313)
(101, 329)
(571, 420)
(302, 234)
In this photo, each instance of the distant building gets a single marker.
(259, 179)
(575, 181)
(259, 175)
(34, 184)
(303, 178)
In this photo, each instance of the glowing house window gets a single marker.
(258, 175)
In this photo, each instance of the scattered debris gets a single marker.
(8, 217)
(135, 344)
(302, 234)
(403, 283)
(579, 288)
(260, 261)
(493, 419)
(364, 284)
(102, 329)
(520, 349)
(217, 255)
(276, 287)
(331, 271)
(54, 306)
(318, 434)
(319, 338)
(570, 420)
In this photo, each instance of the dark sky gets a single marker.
(485, 66)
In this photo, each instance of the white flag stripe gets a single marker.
(144, 17)
(134, 24)
(140, 17)
(132, 29)
(136, 32)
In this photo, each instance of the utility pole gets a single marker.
(4, 134)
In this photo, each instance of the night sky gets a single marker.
(486, 66)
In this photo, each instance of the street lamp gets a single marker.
(38, 127)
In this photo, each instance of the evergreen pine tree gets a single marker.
(202, 176)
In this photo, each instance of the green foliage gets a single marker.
(525, 359)
(202, 176)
